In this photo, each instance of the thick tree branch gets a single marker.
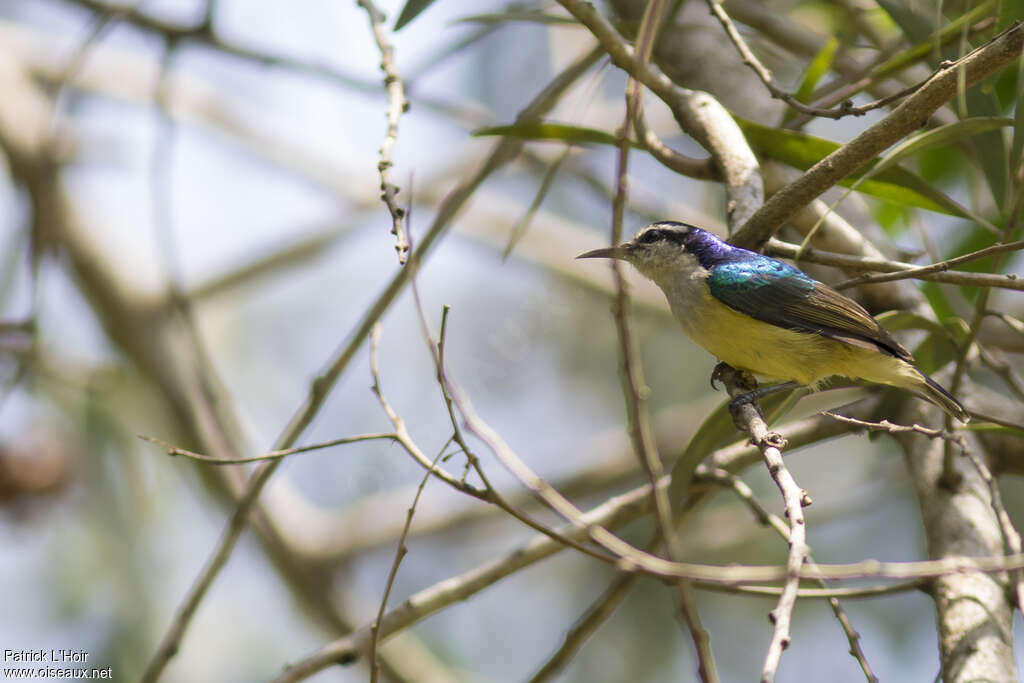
(904, 119)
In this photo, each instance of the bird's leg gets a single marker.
(752, 397)
(757, 393)
(723, 372)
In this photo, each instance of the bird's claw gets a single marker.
(718, 374)
(726, 373)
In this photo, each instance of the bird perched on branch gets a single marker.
(766, 317)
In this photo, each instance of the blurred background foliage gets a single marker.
(219, 161)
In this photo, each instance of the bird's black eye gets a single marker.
(651, 236)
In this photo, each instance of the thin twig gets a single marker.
(400, 553)
(104, 21)
(634, 386)
(846, 108)
(631, 557)
(173, 450)
(487, 494)
(700, 169)
(598, 612)
(613, 513)
(1011, 538)
(995, 362)
(830, 593)
(746, 495)
(893, 428)
(886, 65)
(437, 353)
(942, 266)
(397, 105)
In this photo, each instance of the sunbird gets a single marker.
(766, 317)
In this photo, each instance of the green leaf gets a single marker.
(990, 427)
(546, 130)
(818, 67)
(411, 10)
(897, 321)
(1009, 12)
(991, 148)
(937, 299)
(519, 229)
(895, 184)
(934, 352)
(716, 431)
(942, 136)
(531, 16)
(916, 19)
(797, 149)
(921, 50)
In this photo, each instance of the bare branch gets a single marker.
(1011, 281)
(272, 455)
(748, 416)
(400, 553)
(397, 104)
(634, 386)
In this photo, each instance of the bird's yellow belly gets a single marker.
(763, 349)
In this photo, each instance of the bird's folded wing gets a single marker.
(776, 293)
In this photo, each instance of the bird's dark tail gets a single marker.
(934, 392)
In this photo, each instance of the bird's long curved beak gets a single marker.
(608, 252)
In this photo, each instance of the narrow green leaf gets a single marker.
(934, 352)
(895, 184)
(897, 321)
(1009, 12)
(937, 299)
(918, 20)
(818, 67)
(989, 427)
(922, 49)
(546, 130)
(943, 136)
(527, 15)
(794, 148)
(520, 228)
(412, 9)
(992, 152)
